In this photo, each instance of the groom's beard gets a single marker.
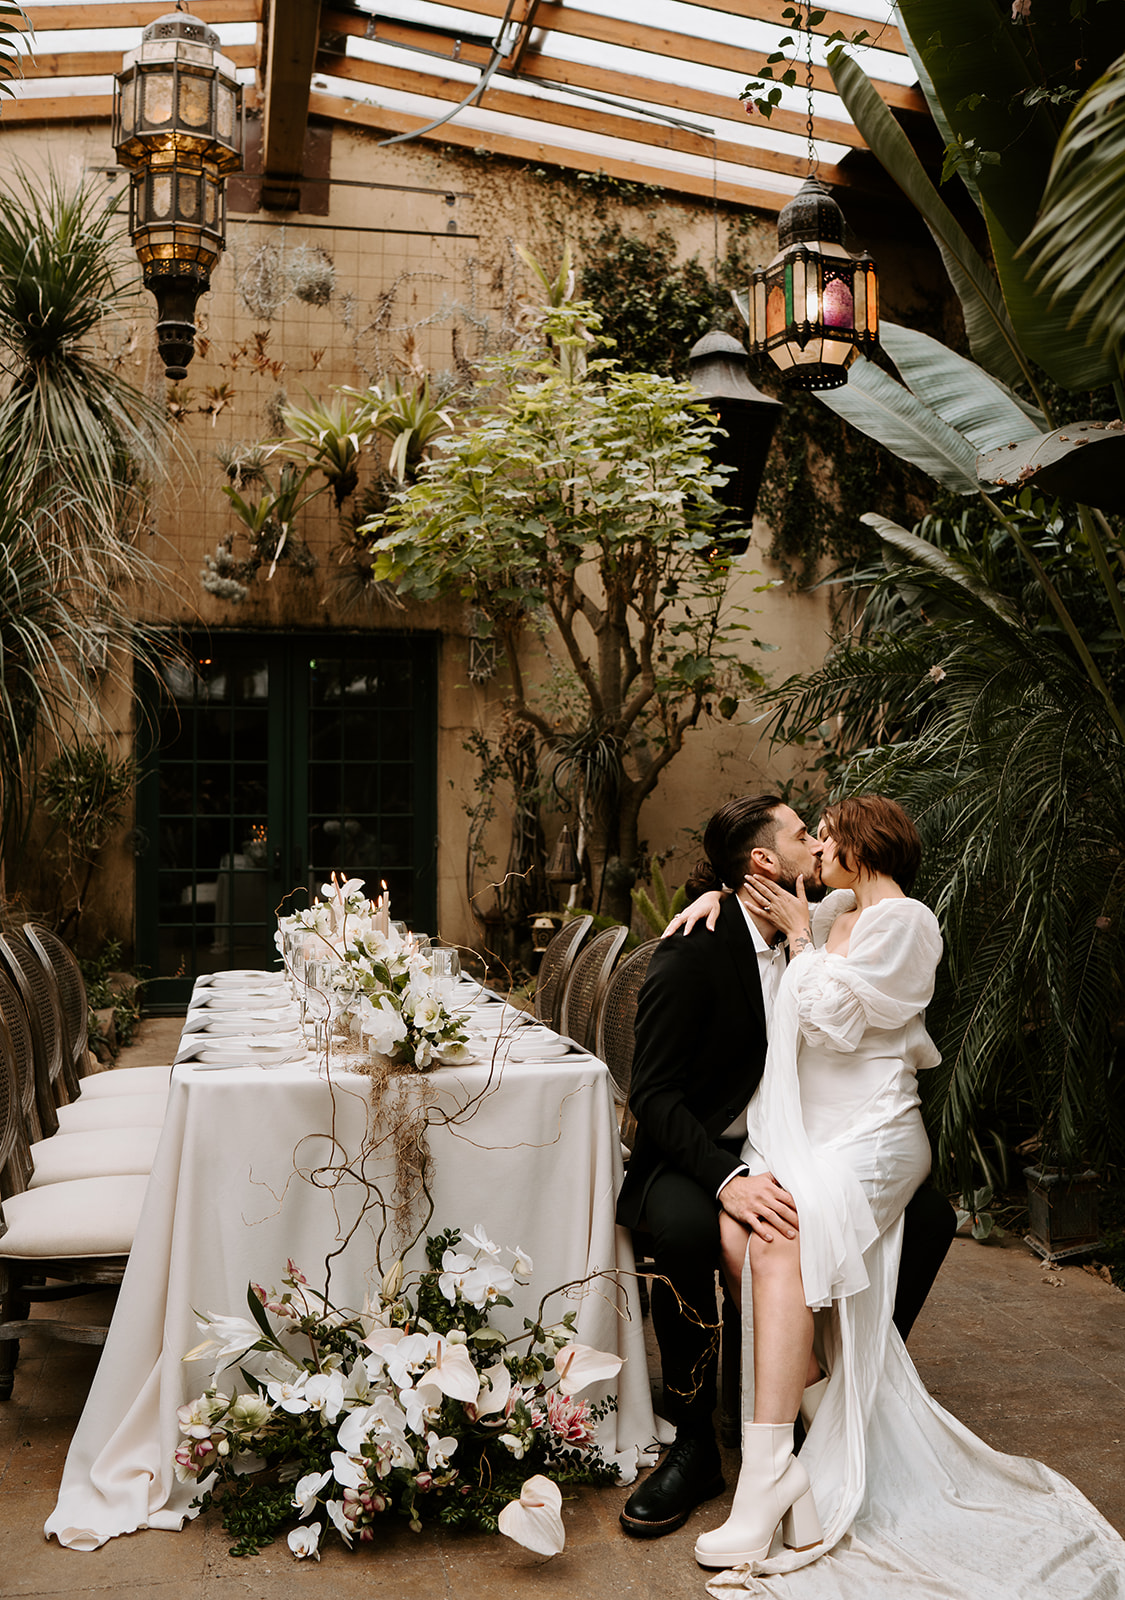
(814, 889)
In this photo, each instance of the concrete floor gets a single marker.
(1032, 1359)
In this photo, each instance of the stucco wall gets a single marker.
(421, 268)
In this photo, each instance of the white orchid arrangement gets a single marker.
(423, 1409)
(381, 979)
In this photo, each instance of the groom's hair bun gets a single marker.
(875, 833)
(732, 833)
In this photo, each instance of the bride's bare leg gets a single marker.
(733, 1242)
(783, 1329)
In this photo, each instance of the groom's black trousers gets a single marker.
(684, 1225)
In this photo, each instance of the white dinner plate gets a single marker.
(249, 1053)
(244, 999)
(248, 1023)
(247, 976)
(524, 1049)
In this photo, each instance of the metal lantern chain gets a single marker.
(814, 159)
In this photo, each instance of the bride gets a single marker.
(890, 1495)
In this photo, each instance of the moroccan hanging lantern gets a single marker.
(177, 125)
(815, 305)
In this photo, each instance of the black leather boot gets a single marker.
(690, 1473)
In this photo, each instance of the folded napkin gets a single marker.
(205, 1019)
(237, 1000)
(248, 1047)
(245, 978)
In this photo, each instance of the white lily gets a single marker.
(231, 1337)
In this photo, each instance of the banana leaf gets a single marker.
(888, 412)
(992, 338)
(961, 393)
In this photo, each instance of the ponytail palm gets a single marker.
(88, 441)
(79, 449)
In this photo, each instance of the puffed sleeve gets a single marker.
(886, 978)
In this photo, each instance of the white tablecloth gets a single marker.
(531, 1151)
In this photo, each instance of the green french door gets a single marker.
(274, 761)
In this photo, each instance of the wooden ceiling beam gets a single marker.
(884, 35)
(600, 80)
(107, 63)
(137, 13)
(599, 121)
(358, 114)
(656, 41)
(525, 19)
(289, 48)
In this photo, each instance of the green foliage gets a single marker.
(85, 438)
(79, 446)
(84, 789)
(658, 909)
(976, 708)
(101, 994)
(583, 493)
(1078, 244)
(13, 21)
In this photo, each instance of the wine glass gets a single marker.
(318, 998)
(445, 968)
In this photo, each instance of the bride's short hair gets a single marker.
(875, 833)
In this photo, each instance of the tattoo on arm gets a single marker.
(800, 942)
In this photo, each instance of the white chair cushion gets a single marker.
(125, 1080)
(98, 1153)
(90, 1217)
(113, 1111)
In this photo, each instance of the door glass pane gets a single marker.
(361, 717)
(213, 897)
(273, 768)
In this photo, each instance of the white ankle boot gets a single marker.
(773, 1488)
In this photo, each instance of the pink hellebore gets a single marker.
(535, 1519)
(578, 1366)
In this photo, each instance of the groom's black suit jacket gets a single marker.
(700, 1048)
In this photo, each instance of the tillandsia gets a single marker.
(414, 1406)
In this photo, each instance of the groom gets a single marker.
(701, 1029)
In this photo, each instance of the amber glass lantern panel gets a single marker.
(156, 98)
(194, 110)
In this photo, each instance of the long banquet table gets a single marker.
(258, 1166)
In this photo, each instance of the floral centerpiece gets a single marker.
(412, 1407)
(379, 979)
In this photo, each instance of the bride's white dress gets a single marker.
(913, 1505)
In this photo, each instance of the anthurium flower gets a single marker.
(453, 1372)
(535, 1519)
(578, 1366)
(495, 1387)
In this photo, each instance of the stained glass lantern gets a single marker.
(177, 125)
(815, 305)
